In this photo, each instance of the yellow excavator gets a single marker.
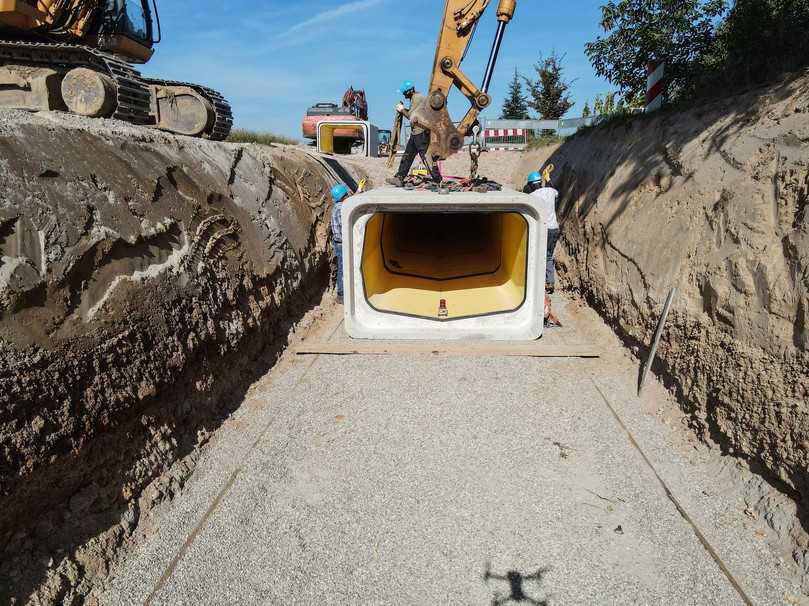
(458, 25)
(77, 56)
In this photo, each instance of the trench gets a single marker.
(64, 525)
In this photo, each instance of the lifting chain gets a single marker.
(475, 149)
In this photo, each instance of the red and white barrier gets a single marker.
(503, 132)
(655, 85)
(513, 139)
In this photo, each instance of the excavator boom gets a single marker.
(460, 19)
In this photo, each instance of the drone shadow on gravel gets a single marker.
(515, 582)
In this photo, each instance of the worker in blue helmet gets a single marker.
(339, 193)
(419, 139)
(538, 186)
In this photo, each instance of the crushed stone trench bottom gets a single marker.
(415, 473)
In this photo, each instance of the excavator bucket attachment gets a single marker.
(421, 265)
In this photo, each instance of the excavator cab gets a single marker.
(127, 27)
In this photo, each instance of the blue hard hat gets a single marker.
(338, 192)
(406, 87)
(535, 177)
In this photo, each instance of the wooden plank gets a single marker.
(460, 349)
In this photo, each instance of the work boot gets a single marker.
(396, 181)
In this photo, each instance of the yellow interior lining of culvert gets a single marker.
(477, 262)
(327, 132)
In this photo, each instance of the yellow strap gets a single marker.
(546, 174)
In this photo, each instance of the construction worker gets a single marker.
(419, 139)
(538, 186)
(339, 193)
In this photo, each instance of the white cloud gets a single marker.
(326, 16)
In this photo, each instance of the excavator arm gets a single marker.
(67, 17)
(458, 26)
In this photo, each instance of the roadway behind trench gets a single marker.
(430, 478)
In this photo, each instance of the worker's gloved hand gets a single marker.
(400, 107)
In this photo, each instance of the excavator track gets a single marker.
(223, 121)
(134, 98)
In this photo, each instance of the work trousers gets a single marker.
(338, 252)
(417, 145)
(550, 268)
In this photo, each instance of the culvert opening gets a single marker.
(445, 265)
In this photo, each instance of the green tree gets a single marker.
(586, 112)
(604, 106)
(680, 32)
(549, 93)
(515, 107)
(609, 103)
(637, 102)
(760, 39)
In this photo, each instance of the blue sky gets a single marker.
(273, 59)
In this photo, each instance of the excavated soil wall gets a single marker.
(712, 201)
(145, 280)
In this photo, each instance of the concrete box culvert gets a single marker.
(422, 265)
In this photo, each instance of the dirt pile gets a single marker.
(145, 280)
(712, 201)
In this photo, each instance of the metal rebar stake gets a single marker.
(658, 335)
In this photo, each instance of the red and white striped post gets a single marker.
(655, 85)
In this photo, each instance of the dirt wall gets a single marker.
(145, 280)
(712, 201)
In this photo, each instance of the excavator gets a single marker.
(458, 25)
(78, 56)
